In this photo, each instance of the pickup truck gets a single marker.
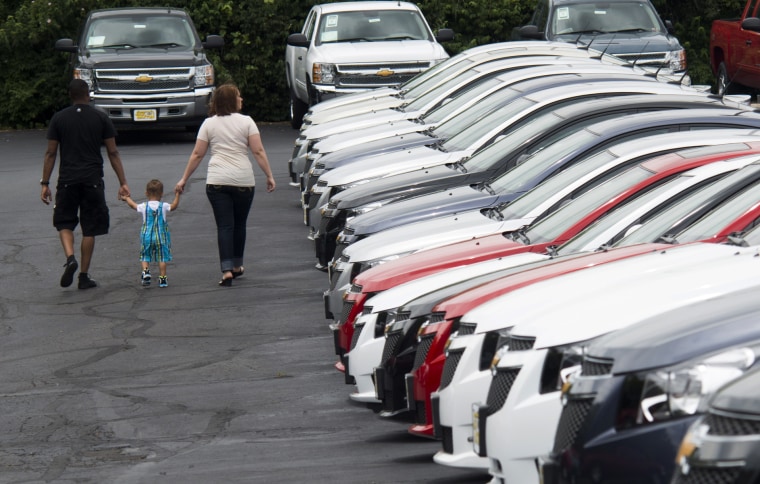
(355, 46)
(735, 51)
(631, 30)
(145, 66)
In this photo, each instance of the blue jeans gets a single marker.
(231, 206)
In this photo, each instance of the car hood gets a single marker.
(317, 118)
(360, 52)
(457, 200)
(717, 322)
(402, 292)
(355, 135)
(626, 43)
(429, 234)
(346, 125)
(142, 58)
(377, 166)
(369, 149)
(645, 286)
(404, 185)
(740, 396)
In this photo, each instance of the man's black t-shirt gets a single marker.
(80, 130)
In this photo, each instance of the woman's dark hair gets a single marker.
(224, 100)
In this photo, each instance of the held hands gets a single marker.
(179, 188)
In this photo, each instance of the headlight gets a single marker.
(353, 184)
(84, 74)
(677, 60)
(322, 73)
(560, 363)
(366, 208)
(367, 265)
(679, 391)
(204, 75)
(495, 345)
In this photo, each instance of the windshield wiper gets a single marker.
(485, 187)
(667, 239)
(162, 45)
(737, 238)
(519, 235)
(113, 46)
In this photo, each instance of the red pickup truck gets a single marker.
(735, 51)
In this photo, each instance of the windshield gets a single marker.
(371, 26)
(560, 220)
(517, 180)
(466, 138)
(660, 225)
(715, 221)
(604, 17)
(496, 101)
(459, 100)
(425, 80)
(425, 99)
(156, 31)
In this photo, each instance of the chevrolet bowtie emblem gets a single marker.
(385, 72)
(143, 78)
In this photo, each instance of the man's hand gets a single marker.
(46, 196)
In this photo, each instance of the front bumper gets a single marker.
(169, 109)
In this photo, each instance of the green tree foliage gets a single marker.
(33, 75)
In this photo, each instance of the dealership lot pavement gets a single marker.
(190, 383)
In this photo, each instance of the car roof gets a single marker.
(364, 6)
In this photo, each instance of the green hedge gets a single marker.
(34, 75)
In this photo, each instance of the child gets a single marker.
(156, 242)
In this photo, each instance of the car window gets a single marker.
(127, 32)
(576, 18)
(371, 26)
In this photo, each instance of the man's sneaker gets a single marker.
(162, 282)
(145, 278)
(71, 267)
(85, 282)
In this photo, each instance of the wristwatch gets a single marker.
(44, 182)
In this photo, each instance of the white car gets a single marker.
(469, 382)
(523, 428)
(396, 242)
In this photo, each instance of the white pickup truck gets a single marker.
(354, 46)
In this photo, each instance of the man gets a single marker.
(79, 131)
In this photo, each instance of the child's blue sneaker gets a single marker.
(162, 282)
(145, 278)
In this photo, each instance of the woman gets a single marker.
(229, 181)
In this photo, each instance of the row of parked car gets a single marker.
(548, 259)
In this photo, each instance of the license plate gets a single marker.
(144, 115)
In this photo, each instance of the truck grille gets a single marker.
(391, 341)
(355, 337)
(646, 58)
(596, 366)
(368, 75)
(163, 80)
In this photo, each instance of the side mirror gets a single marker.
(669, 27)
(752, 24)
(65, 45)
(530, 32)
(444, 35)
(214, 42)
(298, 40)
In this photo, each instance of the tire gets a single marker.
(723, 82)
(298, 109)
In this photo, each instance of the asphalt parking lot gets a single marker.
(193, 383)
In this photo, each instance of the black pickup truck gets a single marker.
(145, 66)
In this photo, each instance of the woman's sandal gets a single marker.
(226, 281)
(236, 274)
